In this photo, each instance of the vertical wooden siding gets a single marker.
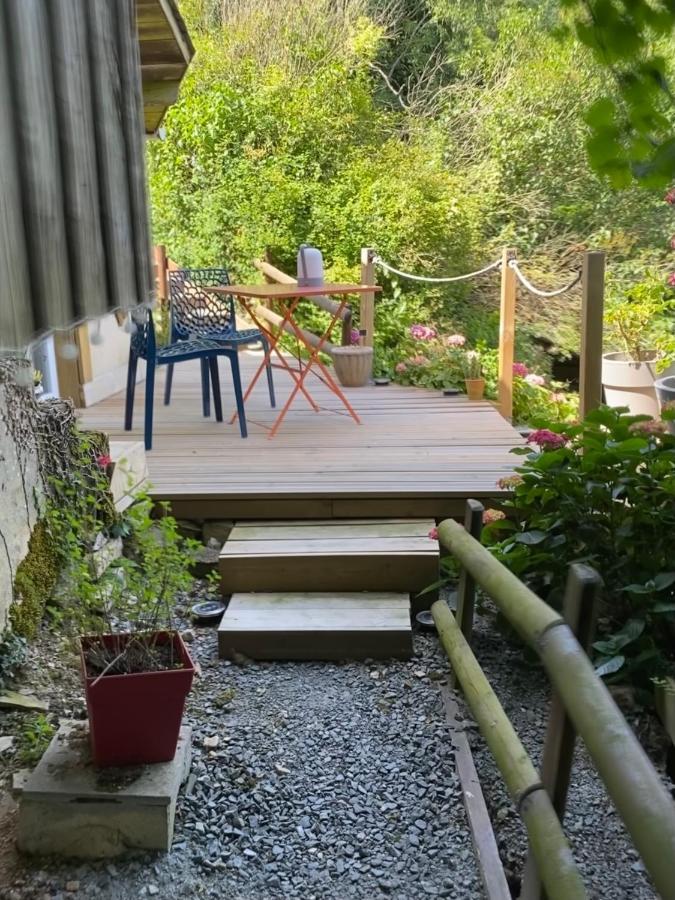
(74, 237)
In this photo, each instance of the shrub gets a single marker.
(602, 493)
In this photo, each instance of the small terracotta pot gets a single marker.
(475, 388)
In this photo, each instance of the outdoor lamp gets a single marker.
(310, 266)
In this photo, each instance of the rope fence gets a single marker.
(513, 264)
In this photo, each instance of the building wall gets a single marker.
(108, 361)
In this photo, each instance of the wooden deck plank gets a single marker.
(416, 452)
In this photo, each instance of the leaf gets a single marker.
(531, 537)
(663, 608)
(664, 580)
(630, 632)
(609, 666)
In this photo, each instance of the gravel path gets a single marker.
(325, 781)
(321, 780)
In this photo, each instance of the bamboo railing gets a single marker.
(586, 708)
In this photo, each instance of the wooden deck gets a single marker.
(416, 453)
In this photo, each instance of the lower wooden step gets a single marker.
(333, 555)
(318, 626)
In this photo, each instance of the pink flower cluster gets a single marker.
(670, 196)
(535, 380)
(454, 340)
(422, 332)
(401, 367)
(433, 534)
(520, 370)
(418, 360)
(649, 426)
(103, 460)
(355, 336)
(509, 482)
(547, 440)
(671, 279)
(493, 515)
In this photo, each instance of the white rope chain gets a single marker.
(513, 264)
(378, 261)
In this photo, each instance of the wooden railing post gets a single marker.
(507, 334)
(466, 588)
(580, 608)
(592, 303)
(161, 278)
(367, 308)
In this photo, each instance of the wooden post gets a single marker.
(367, 309)
(507, 334)
(580, 609)
(466, 589)
(592, 303)
(161, 277)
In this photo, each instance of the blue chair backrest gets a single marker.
(194, 311)
(143, 338)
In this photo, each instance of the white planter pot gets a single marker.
(665, 389)
(629, 382)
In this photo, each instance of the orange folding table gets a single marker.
(287, 297)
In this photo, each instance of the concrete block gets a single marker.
(69, 808)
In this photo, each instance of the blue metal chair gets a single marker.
(143, 345)
(196, 314)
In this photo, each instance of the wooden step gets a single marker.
(332, 555)
(317, 626)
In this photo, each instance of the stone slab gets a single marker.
(70, 808)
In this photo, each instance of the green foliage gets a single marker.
(34, 582)
(632, 133)
(34, 739)
(601, 493)
(12, 657)
(639, 317)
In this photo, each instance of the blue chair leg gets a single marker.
(238, 393)
(131, 390)
(206, 399)
(215, 385)
(270, 379)
(149, 401)
(168, 384)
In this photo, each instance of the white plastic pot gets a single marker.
(629, 382)
(665, 388)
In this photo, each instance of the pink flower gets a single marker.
(672, 242)
(509, 482)
(546, 440)
(535, 380)
(670, 196)
(355, 336)
(103, 460)
(649, 426)
(419, 360)
(422, 332)
(454, 340)
(520, 370)
(493, 515)
(671, 279)
(433, 534)
(558, 398)
(401, 367)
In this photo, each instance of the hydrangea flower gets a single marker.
(103, 460)
(355, 336)
(401, 367)
(509, 482)
(493, 515)
(671, 279)
(670, 196)
(422, 332)
(546, 440)
(433, 534)
(419, 360)
(535, 380)
(520, 370)
(649, 426)
(454, 340)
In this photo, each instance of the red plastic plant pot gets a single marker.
(135, 719)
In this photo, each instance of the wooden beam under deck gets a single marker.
(416, 453)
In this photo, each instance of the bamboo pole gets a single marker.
(592, 303)
(275, 319)
(642, 800)
(367, 299)
(554, 857)
(161, 277)
(507, 335)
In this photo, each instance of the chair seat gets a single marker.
(243, 336)
(174, 352)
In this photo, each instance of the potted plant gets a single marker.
(136, 668)
(353, 363)
(473, 375)
(637, 326)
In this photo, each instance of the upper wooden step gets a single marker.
(331, 555)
